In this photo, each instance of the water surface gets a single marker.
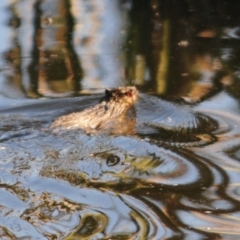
(57, 58)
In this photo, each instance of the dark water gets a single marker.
(57, 57)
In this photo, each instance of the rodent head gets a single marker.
(121, 94)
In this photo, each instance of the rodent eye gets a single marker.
(113, 160)
(129, 93)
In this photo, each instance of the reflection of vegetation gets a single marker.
(48, 56)
(159, 54)
(164, 40)
(146, 165)
(59, 69)
(138, 47)
(73, 177)
(164, 59)
(89, 226)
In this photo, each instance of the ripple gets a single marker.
(73, 184)
(231, 33)
(211, 223)
(55, 209)
(124, 160)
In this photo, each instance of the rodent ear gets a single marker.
(107, 92)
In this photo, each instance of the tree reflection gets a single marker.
(59, 48)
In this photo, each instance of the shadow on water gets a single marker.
(176, 177)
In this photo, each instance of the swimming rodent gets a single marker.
(156, 118)
(115, 114)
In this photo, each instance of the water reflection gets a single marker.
(49, 55)
(82, 185)
(99, 32)
(61, 208)
(66, 47)
(74, 185)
